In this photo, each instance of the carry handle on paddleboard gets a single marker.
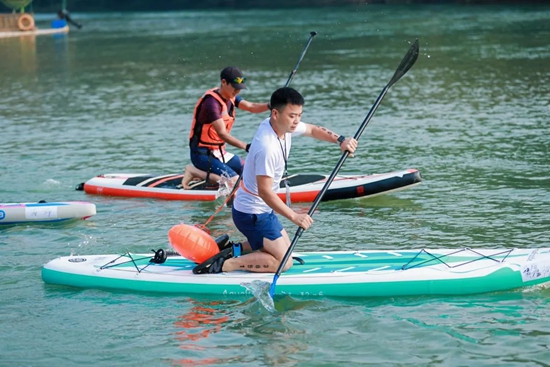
(237, 184)
(407, 62)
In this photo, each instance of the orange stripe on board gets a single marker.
(300, 197)
(177, 195)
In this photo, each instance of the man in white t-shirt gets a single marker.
(256, 201)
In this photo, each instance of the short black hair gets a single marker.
(286, 95)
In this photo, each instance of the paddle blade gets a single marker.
(407, 63)
(274, 284)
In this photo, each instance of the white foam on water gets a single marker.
(260, 290)
(225, 185)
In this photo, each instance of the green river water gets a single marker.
(117, 96)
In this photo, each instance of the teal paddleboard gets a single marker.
(340, 273)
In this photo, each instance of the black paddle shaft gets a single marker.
(407, 62)
(293, 72)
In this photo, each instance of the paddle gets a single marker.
(407, 62)
(64, 14)
(237, 184)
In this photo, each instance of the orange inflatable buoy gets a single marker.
(25, 22)
(192, 242)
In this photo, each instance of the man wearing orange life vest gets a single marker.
(213, 119)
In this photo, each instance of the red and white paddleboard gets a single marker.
(303, 187)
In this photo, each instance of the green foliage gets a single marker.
(16, 4)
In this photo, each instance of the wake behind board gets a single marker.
(44, 212)
(303, 188)
(361, 273)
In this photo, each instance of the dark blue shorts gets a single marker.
(256, 227)
(203, 161)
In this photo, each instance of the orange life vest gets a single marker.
(203, 134)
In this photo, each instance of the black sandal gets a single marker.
(214, 264)
(222, 242)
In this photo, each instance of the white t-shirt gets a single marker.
(266, 157)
